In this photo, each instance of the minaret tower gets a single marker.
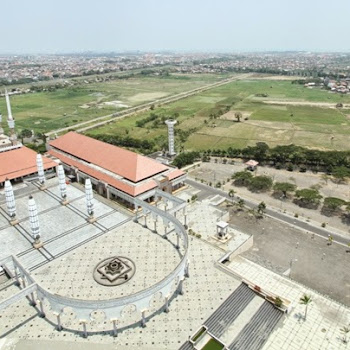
(1, 129)
(171, 138)
(10, 120)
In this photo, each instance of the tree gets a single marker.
(261, 208)
(260, 183)
(345, 330)
(231, 194)
(240, 204)
(331, 205)
(242, 178)
(305, 300)
(238, 116)
(284, 188)
(25, 133)
(346, 215)
(325, 178)
(340, 173)
(186, 158)
(278, 302)
(308, 197)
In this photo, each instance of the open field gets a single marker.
(46, 111)
(288, 114)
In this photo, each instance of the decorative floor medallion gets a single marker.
(114, 271)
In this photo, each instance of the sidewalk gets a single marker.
(325, 317)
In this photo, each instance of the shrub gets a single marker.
(242, 178)
(308, 198)
(260, 184)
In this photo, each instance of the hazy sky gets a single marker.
(51, 26)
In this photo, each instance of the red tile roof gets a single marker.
(127, 164)
(20, 162)
(175, 173)
(118, 184)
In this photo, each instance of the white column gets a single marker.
(41, 305)
(89, 200)
(59, 325)
(62, 184)
(84, 329)
(115, 329)
(143, 320)
(10, 202)
(166, 306)
(41, 174)
(187, 271)
(180, 288)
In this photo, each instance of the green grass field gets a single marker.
(271, 119)
(289, 114)
(46, 111)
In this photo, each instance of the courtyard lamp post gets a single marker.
(291, 265)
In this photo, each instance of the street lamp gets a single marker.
(290, 266)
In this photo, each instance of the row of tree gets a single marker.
(306, 197)
(186, 158)
(290, 157)
(125, 141)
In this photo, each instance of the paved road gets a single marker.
(208, 191)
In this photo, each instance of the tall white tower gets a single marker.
(10, 120)
(1, 129)
(171, 139)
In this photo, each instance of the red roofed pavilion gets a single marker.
(17, 163)
(114, 172)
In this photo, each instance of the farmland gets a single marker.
(46, 111)
(274, 111)
(288, 113)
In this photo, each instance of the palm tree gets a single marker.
(261, 208)
(241, 204)
(305, 300)
(345, 330)
(238, 116)
(231, 194)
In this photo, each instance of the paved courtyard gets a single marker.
(205, 289)
(72, 274)
(62, 227)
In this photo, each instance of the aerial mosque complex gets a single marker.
(100, 244)
(54, 221)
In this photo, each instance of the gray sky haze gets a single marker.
(48, 26)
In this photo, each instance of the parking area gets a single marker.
(305, 258)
